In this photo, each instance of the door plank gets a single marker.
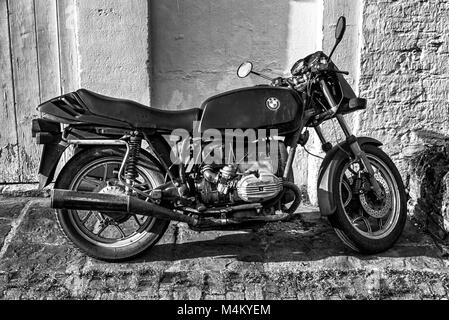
(9, 160)
(26, 83)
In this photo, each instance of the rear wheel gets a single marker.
(108, 236)
(362, 221)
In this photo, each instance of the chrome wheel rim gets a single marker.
(107, 229)
(365, 224)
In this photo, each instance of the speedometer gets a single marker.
(314, 60)
(298, 67)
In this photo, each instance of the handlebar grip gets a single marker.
(326, 68)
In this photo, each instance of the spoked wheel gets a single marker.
(107, 236)
(363, 221)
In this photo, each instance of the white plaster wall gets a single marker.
(346, 57)
(197, 45)
(305, 25)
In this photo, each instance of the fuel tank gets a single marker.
(260, 107)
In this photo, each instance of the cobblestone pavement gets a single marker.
(301, 259)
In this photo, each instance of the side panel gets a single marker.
(248, 108)
(327, 174)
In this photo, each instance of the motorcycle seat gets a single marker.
(136, 114)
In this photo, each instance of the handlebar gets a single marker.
(299, 80)
(290, 82)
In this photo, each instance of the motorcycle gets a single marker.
(117, 195)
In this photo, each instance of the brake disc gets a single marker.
(376, 208)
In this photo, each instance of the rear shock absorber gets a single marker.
(135, 143)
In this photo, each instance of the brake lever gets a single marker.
(326, 68)
(342, 72)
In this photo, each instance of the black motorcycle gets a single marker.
(116, 196)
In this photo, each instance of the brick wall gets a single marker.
(404, 74)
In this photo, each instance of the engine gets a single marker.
(232, 184)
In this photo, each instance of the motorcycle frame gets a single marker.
(153, 136)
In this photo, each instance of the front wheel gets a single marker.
(362, 221)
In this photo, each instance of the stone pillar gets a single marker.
(305, 37)
(113, 48)
(346, 57)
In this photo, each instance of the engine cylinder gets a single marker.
(260, 188)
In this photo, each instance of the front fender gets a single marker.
(328, 170)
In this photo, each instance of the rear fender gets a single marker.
(48, 133)
(51, 155)
(328, 170)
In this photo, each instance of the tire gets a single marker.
(147, 236)
(351, 232)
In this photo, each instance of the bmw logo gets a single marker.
(273, 104)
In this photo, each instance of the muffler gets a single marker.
(73, 200)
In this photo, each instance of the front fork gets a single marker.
(360, 155)
(352, 141)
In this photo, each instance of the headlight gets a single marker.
(298, 67)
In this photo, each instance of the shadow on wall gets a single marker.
(197, 46)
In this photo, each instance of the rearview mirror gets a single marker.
(341, 29)
(339, 34)
(245, 69)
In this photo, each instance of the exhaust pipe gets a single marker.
(73, 200)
